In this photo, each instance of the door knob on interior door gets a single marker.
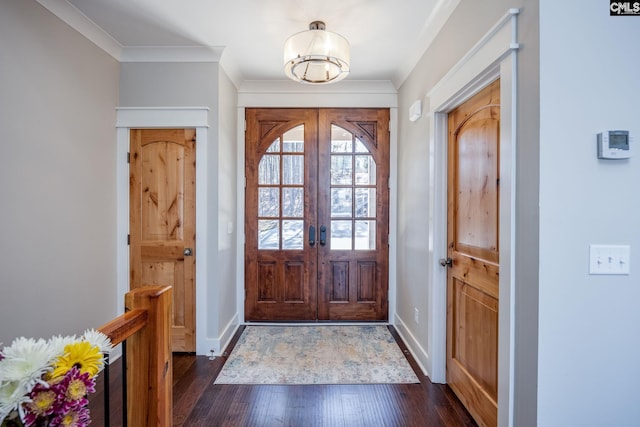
(187, 252)
(446, 262)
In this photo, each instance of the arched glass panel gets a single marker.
(281, 193)
(353, 193)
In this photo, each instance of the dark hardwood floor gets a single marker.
(198, 402)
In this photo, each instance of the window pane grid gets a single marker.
(352, 193)
(281, 193)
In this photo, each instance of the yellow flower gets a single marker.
(82, 355)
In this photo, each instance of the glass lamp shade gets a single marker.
(316, 56)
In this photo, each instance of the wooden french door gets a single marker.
(316, 209)
(162, 221)
(473, 252)
(280, 263)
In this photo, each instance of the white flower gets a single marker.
(98, 339)
(58, 343)
(12, 395)
(25, 361)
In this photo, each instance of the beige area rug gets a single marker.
(316, 355)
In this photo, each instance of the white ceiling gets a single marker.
(387, 37)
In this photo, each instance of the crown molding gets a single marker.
(345, 86)
(77, 20)
(347, 93)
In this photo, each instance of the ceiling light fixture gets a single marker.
(316, 56)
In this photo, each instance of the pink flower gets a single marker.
(43, 403)
(74, 388)
(75, 418)
(63, 401)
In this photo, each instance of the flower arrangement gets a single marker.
(46, 383)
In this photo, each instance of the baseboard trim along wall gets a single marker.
(417, 351)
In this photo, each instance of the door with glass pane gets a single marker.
(353, 206)
(316, 214)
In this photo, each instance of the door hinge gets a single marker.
(128, 239)
(128, 157)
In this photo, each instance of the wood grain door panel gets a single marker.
(280, 168)
(162, 221)
(354, 165)
(472, 234)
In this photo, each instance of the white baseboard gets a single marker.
(417, 351)
(229, 332)
(215, 346)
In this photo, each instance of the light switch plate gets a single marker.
(609, 259)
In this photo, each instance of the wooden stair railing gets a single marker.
(146, 327)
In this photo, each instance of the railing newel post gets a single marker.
(147, 395)
(150, 366)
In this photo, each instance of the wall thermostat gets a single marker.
(614, 144)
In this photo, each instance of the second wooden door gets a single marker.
(162, 221)
(472, 280)
(316, 209)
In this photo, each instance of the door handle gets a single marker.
(312, 235)
(446, 262)
(187, 252)
(323, 235)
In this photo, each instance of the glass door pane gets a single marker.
(353, 193)
(281, 193)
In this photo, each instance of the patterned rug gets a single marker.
(316, 355)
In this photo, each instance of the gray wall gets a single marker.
(470, 21)
(226, 307)
(169, 84)
(58, 94)
(589, 325)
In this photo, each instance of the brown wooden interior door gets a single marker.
(472, 279)
(316, 241)
(162, 221)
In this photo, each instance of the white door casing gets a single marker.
(155, 117)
